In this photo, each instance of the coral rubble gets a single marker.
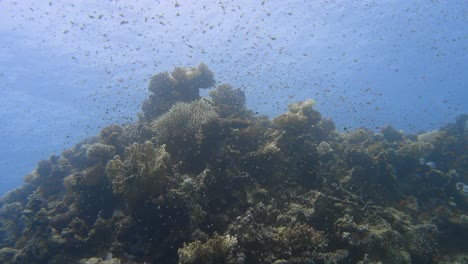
(205, 180)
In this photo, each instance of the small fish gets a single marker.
(462, 188)
(422, 161)
(431, 164)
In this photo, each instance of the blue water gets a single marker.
(67, 69)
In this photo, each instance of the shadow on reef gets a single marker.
(205, 180)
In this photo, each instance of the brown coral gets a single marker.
(146, 171)
(218, 249)
(181, 85)
(229, 101)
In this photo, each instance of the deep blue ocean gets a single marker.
(68, 68)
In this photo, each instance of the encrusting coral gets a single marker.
(205, 180)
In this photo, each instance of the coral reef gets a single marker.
(229, 101)
(184, 121)
(218, 249)
(145, 173)
(187, 130)
(199, 180)
(182, 85)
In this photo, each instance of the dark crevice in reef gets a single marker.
(205, 180)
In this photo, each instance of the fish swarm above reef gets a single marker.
(200, 180)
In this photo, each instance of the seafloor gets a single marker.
(205, 180)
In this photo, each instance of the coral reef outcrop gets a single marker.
(205, 180)
(182, 85)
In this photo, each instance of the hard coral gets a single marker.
(422, 242)
(302, 107)
(110, 135)
(145, 172)
(193, 78)
(391, 134)
(229, 101)
(100, 153)
(218, 249)
(207, 181)
(181, 85)
(184, 121)
(292, 122)
(188, 130)
(300, 118)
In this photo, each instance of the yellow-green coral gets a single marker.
(302, 107)
(100, 261)
(291, 121)
(417, 149)
(200, 77)
(218, 249)
(300, 117)
(182, 85)
(300, 235)
(228, 101)
(145, 171)
(100, 153)
(184, 121)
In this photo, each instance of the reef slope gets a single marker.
(205, 180)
